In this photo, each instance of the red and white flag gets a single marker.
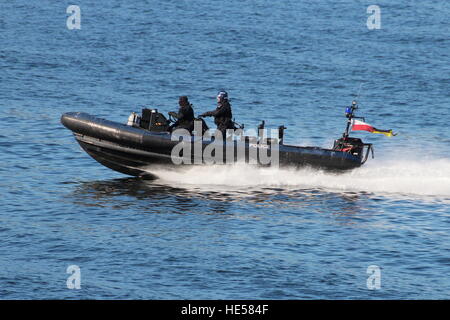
(358, 125)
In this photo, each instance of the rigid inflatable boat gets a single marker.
(146, 142)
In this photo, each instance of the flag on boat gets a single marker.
(387, 133)
(358, 125)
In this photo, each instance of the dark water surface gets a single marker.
(226, 233)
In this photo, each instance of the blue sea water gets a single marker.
(226, 233)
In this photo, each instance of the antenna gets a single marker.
(359, 91)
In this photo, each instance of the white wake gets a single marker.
(420, 177)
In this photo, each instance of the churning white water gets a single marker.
(431, 177)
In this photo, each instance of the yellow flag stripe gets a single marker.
(387, 133)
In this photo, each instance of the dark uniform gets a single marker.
(222, 116)
(185, 116)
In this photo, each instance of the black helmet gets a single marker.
(183, 101)
(222, 95)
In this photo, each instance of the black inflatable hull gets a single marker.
(135, 151)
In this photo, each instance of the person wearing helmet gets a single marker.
(185, 115)
(222, 114)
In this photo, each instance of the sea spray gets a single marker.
(417, 177)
